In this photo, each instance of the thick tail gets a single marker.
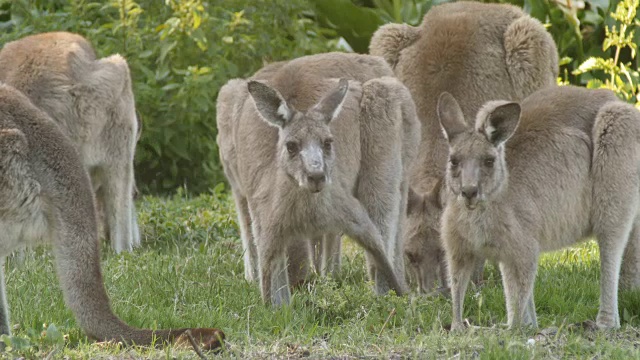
(78, 261)
(54, 189)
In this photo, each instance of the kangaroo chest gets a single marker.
(485, 232)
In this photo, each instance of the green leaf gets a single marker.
(565, 61)
(587, 65)
(601, 4)
(145, 54)
(355, 24)
(171, 86)
(52, 335)
(537, 9)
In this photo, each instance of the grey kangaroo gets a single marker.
(477, 52)
(321, 145)
(92, 101)
(538, 176)
(46, 196)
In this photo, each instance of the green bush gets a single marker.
(621, 77)
(180, 53)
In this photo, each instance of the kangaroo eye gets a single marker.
(292, 147)
(454, 162)
(489, 162)
(327, 144)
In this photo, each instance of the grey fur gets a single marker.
(92, 101)
(571, 170)
(477, 52)
(47, 197)
(375, 136)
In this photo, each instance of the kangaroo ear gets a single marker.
(450, 116)
(329, 106)
(414, 201)
(105, 84)
(270, 104)
(501, 123)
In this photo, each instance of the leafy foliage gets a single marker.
(180, 54)
(621, 78)
(356, 23)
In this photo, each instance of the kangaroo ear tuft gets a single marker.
(270, 104)
(502, 122)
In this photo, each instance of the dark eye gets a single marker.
(327, 144)
(454, 162)
(292, 147)
(488, 162)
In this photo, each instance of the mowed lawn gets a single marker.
(189, 272)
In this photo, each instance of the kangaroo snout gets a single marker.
(316, 181)
(470, 192)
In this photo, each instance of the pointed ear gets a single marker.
(414, 201)
(329, 106)
(270, 104)
(501, 123)
(450, 116)
(105, 84)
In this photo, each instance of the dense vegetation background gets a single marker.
(182, 52)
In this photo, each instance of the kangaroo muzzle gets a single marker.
(470, 180)
(314, 169)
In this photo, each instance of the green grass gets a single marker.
(189, 272)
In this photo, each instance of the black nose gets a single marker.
(470, 192)
(316, 178)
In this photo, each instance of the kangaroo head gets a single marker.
(305, 144)
(477, 168)
(422, 237)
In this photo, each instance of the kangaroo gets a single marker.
(477, 52)
(47, 196)
(538, 176)
(322, 148)
(92, 102)
(321, 254)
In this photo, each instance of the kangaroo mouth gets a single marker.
(471, 204)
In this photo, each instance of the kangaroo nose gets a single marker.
(470, 192)
(316, 178)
